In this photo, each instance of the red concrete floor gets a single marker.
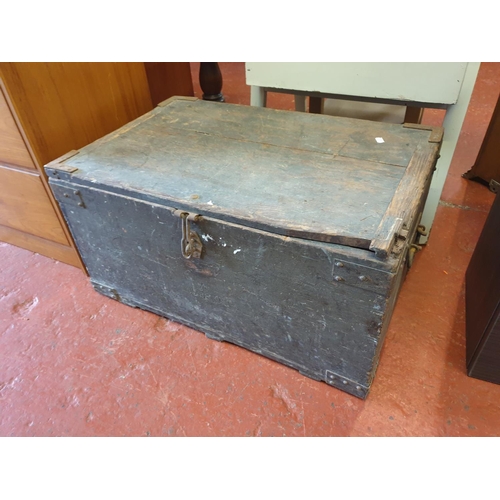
(74, 363)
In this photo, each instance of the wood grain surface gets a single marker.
(39, 245)
(12, 147)
(25, 206)
(167, 79)
(65, 106)
(407, 197)
(308, 176)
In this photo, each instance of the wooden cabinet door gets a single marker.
(25, 206)
(12, 147)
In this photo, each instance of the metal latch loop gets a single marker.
(191, 246)
(414, 248)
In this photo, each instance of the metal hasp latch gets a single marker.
(191, 246)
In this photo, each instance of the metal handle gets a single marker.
(411, 254)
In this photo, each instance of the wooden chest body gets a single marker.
(301, 223)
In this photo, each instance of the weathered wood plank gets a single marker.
(317, 133)
(406, 198)
(436, 132)
(261, 185)
(375, 144)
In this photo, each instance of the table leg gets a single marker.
(316, 105)
(211, 81)
(413, 114)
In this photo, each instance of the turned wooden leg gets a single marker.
(316, 105)
(413, 114)
(211, 81)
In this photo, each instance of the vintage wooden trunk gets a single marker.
(285, 233)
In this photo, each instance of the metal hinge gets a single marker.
(191, 246)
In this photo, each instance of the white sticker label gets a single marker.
(379, 140)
